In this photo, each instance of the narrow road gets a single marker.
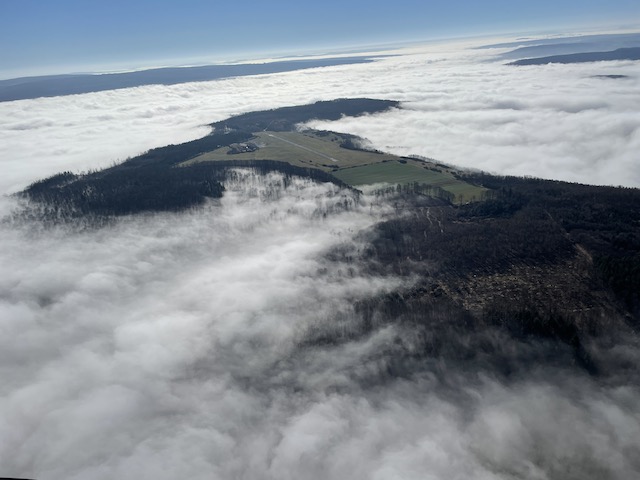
(303, 147)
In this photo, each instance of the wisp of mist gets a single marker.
(186, 345)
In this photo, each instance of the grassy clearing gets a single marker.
(322, 150)
(390, 172)
(410, 171)
(302, 149)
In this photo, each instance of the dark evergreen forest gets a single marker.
(154, 182)
(539, 272)
(549, 266)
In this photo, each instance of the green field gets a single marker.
(410, 171)
(302, 149)
(356, 167)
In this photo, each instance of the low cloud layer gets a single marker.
(135, 350)
(186, 345)
(552, 121)
(180, 346)
(460, 107)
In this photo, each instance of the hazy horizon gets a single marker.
(70, 36)
(313, 52)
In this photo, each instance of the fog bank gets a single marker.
(186, 345)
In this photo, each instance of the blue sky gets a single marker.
(41, 36)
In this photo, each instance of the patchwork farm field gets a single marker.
(323, 150)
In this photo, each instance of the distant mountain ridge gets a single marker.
(604, 41)
(59, 85)
(632, 53)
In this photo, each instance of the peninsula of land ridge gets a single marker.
(537, 261)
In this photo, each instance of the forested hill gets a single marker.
(526, 227)
(631, 53)
(540, 272)
(153, 182)
(286, 118)
(535, 262)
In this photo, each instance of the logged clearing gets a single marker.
(322, 150)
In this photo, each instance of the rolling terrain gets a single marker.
(221, 305)
(498, 243)
(338, 155)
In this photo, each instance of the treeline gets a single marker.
(285, 119)
(126, 191)
(436, 335)
(289, 170)
(240, 129)
(149, 182)
(524, 220)
(539, 272)
(129, 189)
(174, 154)
(415, 192)
(604, 221)
(463, 245)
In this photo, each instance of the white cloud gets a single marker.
(176, 345)
(552, 121)
(131, 343)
